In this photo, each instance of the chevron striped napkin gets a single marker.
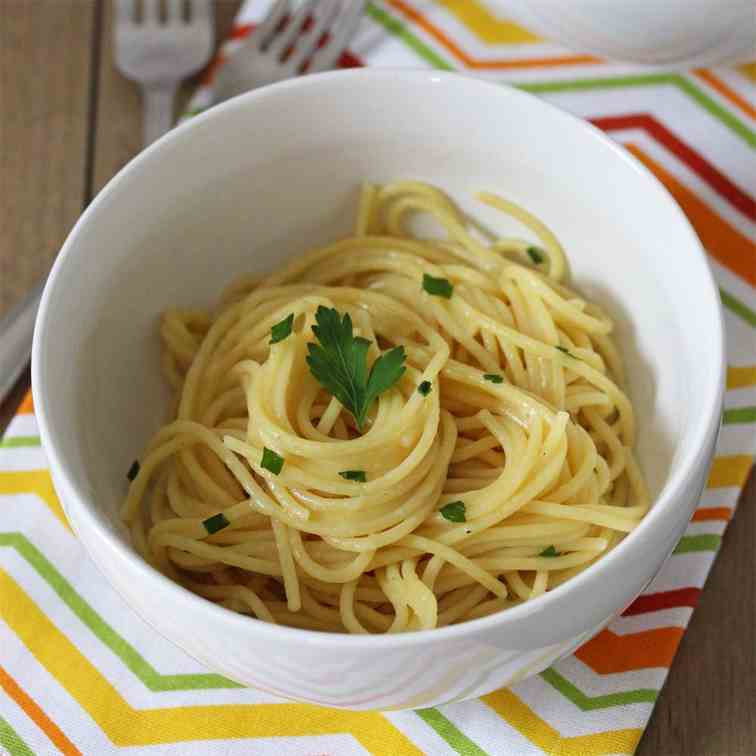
(81, 674)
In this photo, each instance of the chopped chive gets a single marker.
(493, 377)
(535, 254)
(271, 461)
(549, 552)
(425, 388)
(438, 287)
(454, 511)
(281, 330)
(215, 523)
(566, 351)
(358, 475)
(133, 470)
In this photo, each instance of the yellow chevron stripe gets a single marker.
(37, 482)
(127, 726)
(520, 716)
(741, 376)
(729, 471)
(486, 26)
(749, 70)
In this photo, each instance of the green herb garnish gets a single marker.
(281, 330)
(549, 552)
(493, 377)
(535, 254)
(454, 511)
(271, 461)
(425, 388)
(566, 351)
(358, 475)
(133, 470)
(339, 362)
(437, 287)
(215, 523)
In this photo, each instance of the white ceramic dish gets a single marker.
(677, 33)
(268, 174)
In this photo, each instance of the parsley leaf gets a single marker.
(133, 470)
(493, 378)
(549, 552)
(535, 254)
(272, 461)
(358, 475)
(281, 330)
(454, 511)
(339, 363)
(425, 388)
(215, 523)
(438, 287)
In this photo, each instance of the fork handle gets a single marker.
(158, 110)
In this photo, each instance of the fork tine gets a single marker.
(308, 42)
(124, 11)
(280, 44)
(174, 10)
(270, 23)
(199, 9)
(345, 28)
(150, 11)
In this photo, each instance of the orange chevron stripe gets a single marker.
(729, 470)
(126, 725)
(516, 713)
(741, 376)
(27, 405)
(32, 710)
(712, 513)
(608, 653)
(729, 94)
(36, 482)
(721, 240)
(440, 36)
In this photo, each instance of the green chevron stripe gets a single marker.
(15, 442)
(714, 109)
(454, 737)
(705, 542)
(739, 415)
(402, 31)
(157, 682)
(592, 703)
(144, 671)
(12, 742)
(151, 678)
(399, 30)
(734, 305)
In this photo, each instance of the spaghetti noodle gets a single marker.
(497, 466)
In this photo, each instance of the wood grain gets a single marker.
(61, 138)
(118, 132)
(708, 706)
(45, 65)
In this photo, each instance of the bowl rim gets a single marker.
(703, 427)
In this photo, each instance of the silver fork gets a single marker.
(158, 55)
(273, 52)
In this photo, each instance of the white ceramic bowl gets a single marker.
(677, 33)
(269, 174)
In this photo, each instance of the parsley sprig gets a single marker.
(339, 363)
(454, 511)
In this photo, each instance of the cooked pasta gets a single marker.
(494, 463)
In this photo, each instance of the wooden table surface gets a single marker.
(68, 122)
